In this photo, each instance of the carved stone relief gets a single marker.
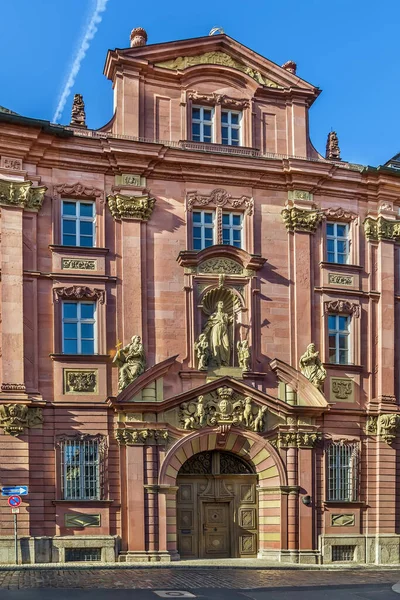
(15, 418)
(13, 164)
(297, 219)
(300, 195)
(129, 437)
(216, 58)
(219, 197)
(78, 292)
(342, 389)
(131, 207)
(337, 279)
(296, 439)
(342, 306)
(21, 194)
(80, 381)
(77, 190)
(343, 520)
(385, 426)
(222, 407)
(225, 266)
(238, 104)
(244, 355)
(340, 214)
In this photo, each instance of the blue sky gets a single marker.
(349, 48)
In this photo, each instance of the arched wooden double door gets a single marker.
(217, 507)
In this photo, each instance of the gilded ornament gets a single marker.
(131, 207)
(243, 352)
(129, 437)
(312, 368)
(15, 418)
(371, 427)
(387, 427)
(131, 362)
(216, 58)
(21, 194)
(80, 382)
(381, 229)
(222, 408)
(297, 219)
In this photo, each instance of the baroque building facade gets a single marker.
(199, 322)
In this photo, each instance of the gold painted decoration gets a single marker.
(15, 418)
(338, 279)
(21, 194)
(296, 219)
(81, 264)
(131, 207)
(222, 408)
(381, 229)
(216, 58)
(130, 437)
(80, 381)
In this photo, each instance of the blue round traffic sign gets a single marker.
(14, 501)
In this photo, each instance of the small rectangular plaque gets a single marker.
(343, 520)
(81, 520)
(342, 389)
(78, 264)
(300, 195)
(133, 179)
(8, 162)
(338, 279)
(80, 381)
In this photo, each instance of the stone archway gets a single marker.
(264, 461)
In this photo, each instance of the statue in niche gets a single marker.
(131, 362)
(202, 352)
(217, 330)
(312, 368)
(243, 352)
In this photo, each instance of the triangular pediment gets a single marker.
(219, 50)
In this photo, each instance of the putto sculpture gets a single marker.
(312, 368)
(131, 362)
(202, 352)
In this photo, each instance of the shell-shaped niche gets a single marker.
(212, 297)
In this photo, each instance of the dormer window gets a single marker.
(230, 127)
(202, 124)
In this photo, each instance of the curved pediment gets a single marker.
(307, 393)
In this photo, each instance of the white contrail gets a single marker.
(80, 55)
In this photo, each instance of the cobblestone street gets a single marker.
(181, 578)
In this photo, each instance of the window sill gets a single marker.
(344, 503)
(84, 502)
(78, 249)
(340, 367)
(79, 357)
(333, 265)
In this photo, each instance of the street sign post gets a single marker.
(14, 490)
(14, 501)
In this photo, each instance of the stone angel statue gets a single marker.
(312, 368)
(131, 362)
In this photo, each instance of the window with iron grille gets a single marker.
(82, 554)
(81, 466)
(343, 553)
(343, 459)
(78, 223)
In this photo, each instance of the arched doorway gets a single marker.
(217, 513)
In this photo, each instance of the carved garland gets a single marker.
(342, 306)
(214, 99)
(340, 214)
(77, 190)
(77, 292)
(220, 198)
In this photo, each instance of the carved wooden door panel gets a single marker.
(187, 521)
(247, 517)
(216, 531)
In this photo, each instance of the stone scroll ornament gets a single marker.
(223, 409)
(131, 361)
(312, 368)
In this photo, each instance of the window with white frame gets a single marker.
(78, 327)
(338, 242)
(343, 461)
(203, 229)
(232, 229)
(78, 223)
(202, 124)
(80, 469)
(230, 127)
(339, 339)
